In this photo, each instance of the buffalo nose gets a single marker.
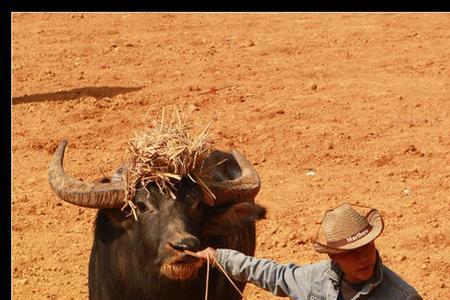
(191, 244)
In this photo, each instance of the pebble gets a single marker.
(292, 236)
(22, 281)
(310, 173)
(192, 108)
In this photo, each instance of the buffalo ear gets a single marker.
(231, 219)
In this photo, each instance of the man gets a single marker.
(355, 270)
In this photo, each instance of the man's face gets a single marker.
(357, 264)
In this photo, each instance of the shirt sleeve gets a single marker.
(279, 279)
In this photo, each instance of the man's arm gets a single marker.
(279, 279)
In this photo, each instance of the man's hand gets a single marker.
(207, 253)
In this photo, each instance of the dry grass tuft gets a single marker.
(164, 154)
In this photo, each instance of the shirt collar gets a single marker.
(334, 273)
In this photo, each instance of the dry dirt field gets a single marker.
(363, 100)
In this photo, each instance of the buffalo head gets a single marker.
(129, 256)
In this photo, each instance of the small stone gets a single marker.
(310, 173)
(423, 267)
(314, 87)
(292, 236)
(194, 88)
(22, 281)
(192, 108)
(410, 149)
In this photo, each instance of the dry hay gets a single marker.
(164, 154)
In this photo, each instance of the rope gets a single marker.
(207, 277)
(215, 262)
(228, 277)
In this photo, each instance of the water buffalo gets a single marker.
(145, 259)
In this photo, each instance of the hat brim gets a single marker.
(374, 218)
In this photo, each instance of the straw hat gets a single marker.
(344, 229)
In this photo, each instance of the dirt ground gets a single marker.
(360, 100)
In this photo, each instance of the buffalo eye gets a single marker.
(192, 201)
(144, 206)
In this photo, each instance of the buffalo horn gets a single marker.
(93, 195)
(230, 177)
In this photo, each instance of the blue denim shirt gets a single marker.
(319, 281)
